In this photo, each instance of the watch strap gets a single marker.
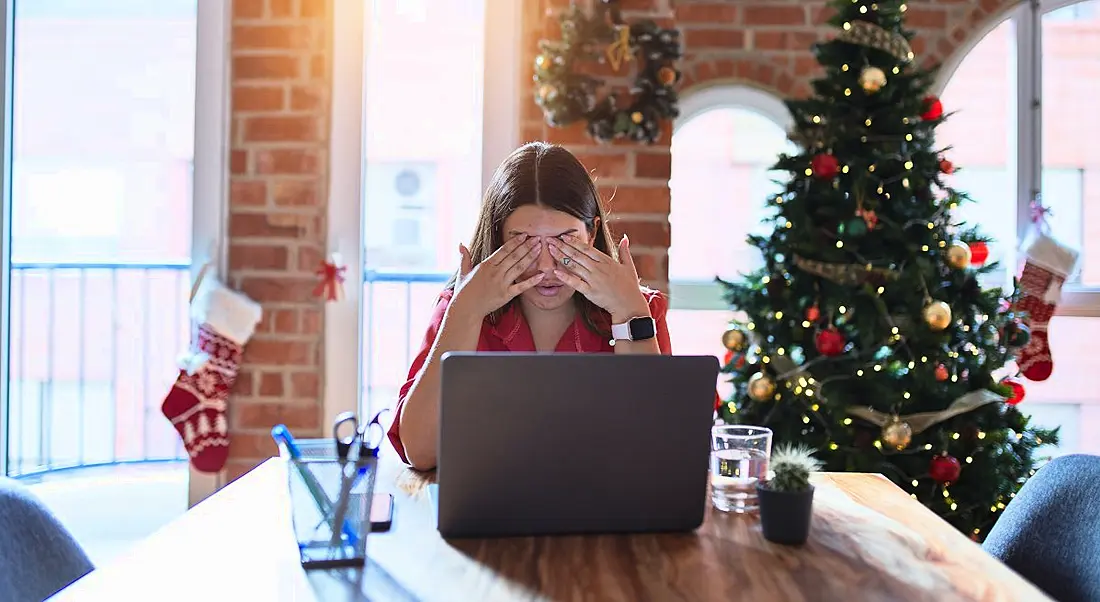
(625, 331)
(621, 332)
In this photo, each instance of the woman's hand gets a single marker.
(613, 285)
(486, 287)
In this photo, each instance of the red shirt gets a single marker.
(511, 333)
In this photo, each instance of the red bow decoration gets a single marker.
(1039, 212)
(331, 286)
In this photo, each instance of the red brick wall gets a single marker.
(763, 43)
(281, 84)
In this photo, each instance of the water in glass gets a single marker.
(738, 461)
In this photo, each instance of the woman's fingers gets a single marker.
(575, 245)
(519, 287)
(519, 254)
(572, 260)
(522, 263)
(465, 265)
(510, 246)
(573, 281)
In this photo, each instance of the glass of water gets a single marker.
(738, 461)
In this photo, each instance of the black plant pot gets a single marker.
(785, 515)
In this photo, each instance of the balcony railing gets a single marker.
(93, 350)
(94, 346)
(396, 309)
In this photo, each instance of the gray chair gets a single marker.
(1050, 532)
(38, 555)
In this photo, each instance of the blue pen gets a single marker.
(282, 435)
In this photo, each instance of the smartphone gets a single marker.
(381, 513)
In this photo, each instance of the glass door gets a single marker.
(98, 228)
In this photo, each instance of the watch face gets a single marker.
(642, 329)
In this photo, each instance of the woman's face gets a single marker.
(543, 223)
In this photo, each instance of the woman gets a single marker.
(541, 274)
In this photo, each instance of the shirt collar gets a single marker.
(515, 334)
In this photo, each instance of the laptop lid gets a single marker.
(573, 443)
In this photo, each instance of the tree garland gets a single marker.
(567, 95)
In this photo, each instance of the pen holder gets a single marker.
(330, 500)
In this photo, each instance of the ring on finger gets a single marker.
(565, 261)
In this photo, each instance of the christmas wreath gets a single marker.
(566, 94)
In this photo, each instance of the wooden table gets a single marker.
(870, 541)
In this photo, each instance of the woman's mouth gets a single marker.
(548, 290)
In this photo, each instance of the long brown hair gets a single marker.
(549, 176)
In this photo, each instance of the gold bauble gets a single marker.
(540, 60)
(897, 434)
(761, 387)
(637, 117)
(547, 91)
(666, 75)
(937, 315)
(872, 79)
(734, 339)
(958, 255)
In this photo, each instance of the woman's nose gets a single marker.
(545, 262)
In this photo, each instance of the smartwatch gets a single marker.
(635, 329)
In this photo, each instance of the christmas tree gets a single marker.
(867, 334)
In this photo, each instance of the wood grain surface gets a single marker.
(869, 542)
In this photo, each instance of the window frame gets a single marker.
(343, 384)
(210, 176)
(706, 295)
(7, 29)
(1077, 300)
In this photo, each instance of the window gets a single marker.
(103, 127)
(1007, 153)
(410, 159)
(723, 148)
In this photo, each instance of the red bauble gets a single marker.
(830, 342)
(825, 167)
(813, 313)
(1017, 394)
(979, 252)
(947, 167)
(941, 373)
(933, 109)
(944, 469)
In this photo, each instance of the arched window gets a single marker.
(1024, 98)
(723, 147)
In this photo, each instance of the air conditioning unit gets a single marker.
(401, 226)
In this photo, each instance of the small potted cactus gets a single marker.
(786, 500)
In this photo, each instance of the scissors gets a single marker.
(353, 449)
(364, 440)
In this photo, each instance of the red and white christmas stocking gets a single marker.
(1047, 264)
(223, 321)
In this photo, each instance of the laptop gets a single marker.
(545, 444)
